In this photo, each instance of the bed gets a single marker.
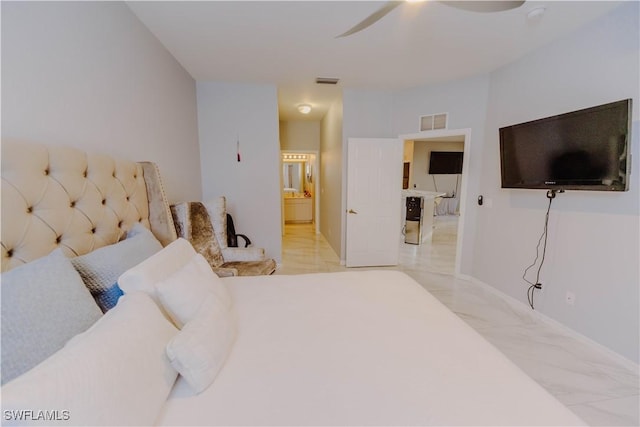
(184, 347)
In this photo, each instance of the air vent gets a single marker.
(327, 81)
(433, 121)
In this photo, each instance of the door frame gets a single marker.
(442, 133)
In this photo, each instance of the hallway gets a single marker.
(304, 251)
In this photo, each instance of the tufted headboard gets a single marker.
(55, 196)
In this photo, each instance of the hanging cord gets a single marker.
(551, 194)
(456, 190)
(453, 195)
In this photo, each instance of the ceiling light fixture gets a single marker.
(304, 108)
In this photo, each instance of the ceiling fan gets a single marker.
(473, 6)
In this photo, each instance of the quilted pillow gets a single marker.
(44, 304)
(101, 268)
(116, 373)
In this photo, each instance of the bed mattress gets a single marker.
(358, 348)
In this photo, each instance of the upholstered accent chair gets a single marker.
(207, 232)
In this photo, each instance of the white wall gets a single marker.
(593, 236)
(331, 178)
(466, 102)
(385, 114)
(366, 114)
(300, 135)
(249, 113)
(90, 75)
(420, 167)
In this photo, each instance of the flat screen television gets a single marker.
(445, 162)
(581, 150)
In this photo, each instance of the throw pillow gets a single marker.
(101, 268)
(144, 276)
(200, 349)
(217, 209)
(194, 224)
(183, 292)
(116, 373)
(44, 304)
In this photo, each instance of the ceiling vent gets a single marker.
(433, 121)
(327, 80)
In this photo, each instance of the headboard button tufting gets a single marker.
(53, 195)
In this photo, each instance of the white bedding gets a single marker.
(358, 348)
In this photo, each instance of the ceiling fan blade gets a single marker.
(485, 6)
(371, 19)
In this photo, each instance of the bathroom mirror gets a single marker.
(293, 177)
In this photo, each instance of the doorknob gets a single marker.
(351, 211)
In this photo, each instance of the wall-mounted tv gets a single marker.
(581, 150)
(445, 162)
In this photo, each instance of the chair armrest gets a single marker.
(247, 241)
(243, 254)
(225, 271)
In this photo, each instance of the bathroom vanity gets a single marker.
(298, 209)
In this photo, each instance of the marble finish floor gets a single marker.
(601, 389)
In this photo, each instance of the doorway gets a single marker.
(300, 188)
(453, 185)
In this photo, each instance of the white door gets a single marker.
(374, 204)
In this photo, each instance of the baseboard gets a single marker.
(630, 364)
(464, 277)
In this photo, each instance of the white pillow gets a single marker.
(115, 373)
(182, 293)
(200, 349)
(144, 276)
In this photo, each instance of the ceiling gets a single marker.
(290, 43)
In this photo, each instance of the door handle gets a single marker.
(351, 211)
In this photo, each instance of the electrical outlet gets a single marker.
(570, 298)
